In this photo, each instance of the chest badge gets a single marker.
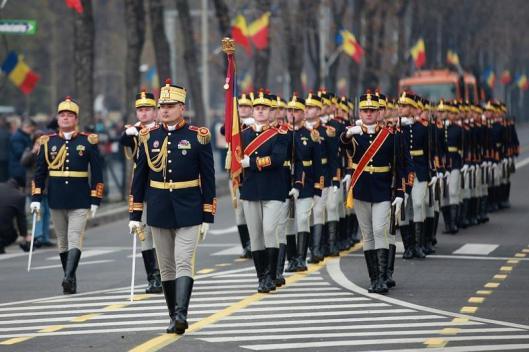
(184, 144)
(156, 144)
(81, 149)
(304, 142)
(54, 148)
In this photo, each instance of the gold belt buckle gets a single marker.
(66, 173)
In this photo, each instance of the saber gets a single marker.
(133, 265)
(32, 240)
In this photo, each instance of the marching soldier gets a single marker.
(70, 163)
(376, 166)
(265, 152)
(146, 114)
(175, 176)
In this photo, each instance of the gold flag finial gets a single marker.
(228, 45)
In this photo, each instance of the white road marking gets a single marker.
(218, 232)
(87, 253)
(307, 301)
(476, 249)
(81, 263)
(316, 314)
(235, 250)
(522, 163)
(477, 348)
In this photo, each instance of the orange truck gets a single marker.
(446, 84)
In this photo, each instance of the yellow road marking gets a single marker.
(161, 341)
(140, 297)
(525, 250)
(492, 285)
(513, 261)
(449, 331)
(520, 255)
(435, 343)
(206, 271)
(500, 277)
(114, 307)
(460, 320)
(240, 260)
(483, 292)
(84, 317)
(468, 310)
(506, 268)
(476, 300)
(16, 340)
(52, 328)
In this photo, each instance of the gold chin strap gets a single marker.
(58, 162)
(159, 163)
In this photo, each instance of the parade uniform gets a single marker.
(175, 176)
(376, 168)
(130, 143)
(265, 152)
(69, 164)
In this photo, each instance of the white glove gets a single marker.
(245, 162)
(406, 121)
(131, 131)
(432, 181)
(440, 175)
(472, 168)
(34, 207)
(358, 122)
(489, 163)
(397, 203)
(294, 193)
(353, 130)
(464, 169)
(203, 231)
(133, 225)
(334, 189)
(484, 164)
(93, 210)
(347, 181)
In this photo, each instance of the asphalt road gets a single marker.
(470, 296)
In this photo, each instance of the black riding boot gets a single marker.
(435, 225)
(332, 229)
(259, 260)
(446, 219)
(244, 235)
(382, 260)
(316, 254)
(280, 279)
(69, 283)
(372, 269)
(419, 235)
(406, 234)
(292, 254)
(169, 292)
(184, 287)
(272, 254)
(303, 246)
(428, 235)
(483, 209)
(453, 219)
(153, 274)
(391, 266)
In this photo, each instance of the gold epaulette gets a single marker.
(144, 134)
(203, 134)
(283, 129)
(44, 139)
(331, 131)
(91, 137)
(315, 135)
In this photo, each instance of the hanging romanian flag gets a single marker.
(76, 5)
(418, 53)
(350, 45)
(258, 31)
(489, 77)
(506, 77)
(452, 58)
(231, 119)
(239, 33)
(522, 82)
(342, 87)
(19, 73)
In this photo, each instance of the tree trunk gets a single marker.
(161, 45)
(354, 68)
(135, 24)
(222, 13)
(191, 61)
(313, 40)
(294, 43)
(84, 63)
(370, 80)
(262, 57)
(338, 11)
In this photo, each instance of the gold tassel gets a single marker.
(349, 202)
(227, 164)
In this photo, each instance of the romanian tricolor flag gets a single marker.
(231, 119)
(418, 53)
(452, 58)
(489, 77)
(506, 77)
(77, 5)
(239, 33)
(258, 31)
(246, 83)
(350, 45)
(522, 82)
(19, 73)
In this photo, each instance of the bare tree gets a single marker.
(294, 41)
(338, 8)
(191, 60)
(262, 57)
(354, 68)
(313, 40)
(161, 45)
(84, 62)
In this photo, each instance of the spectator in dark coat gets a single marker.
(19, 142)
(12, 207)
(5, 135)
